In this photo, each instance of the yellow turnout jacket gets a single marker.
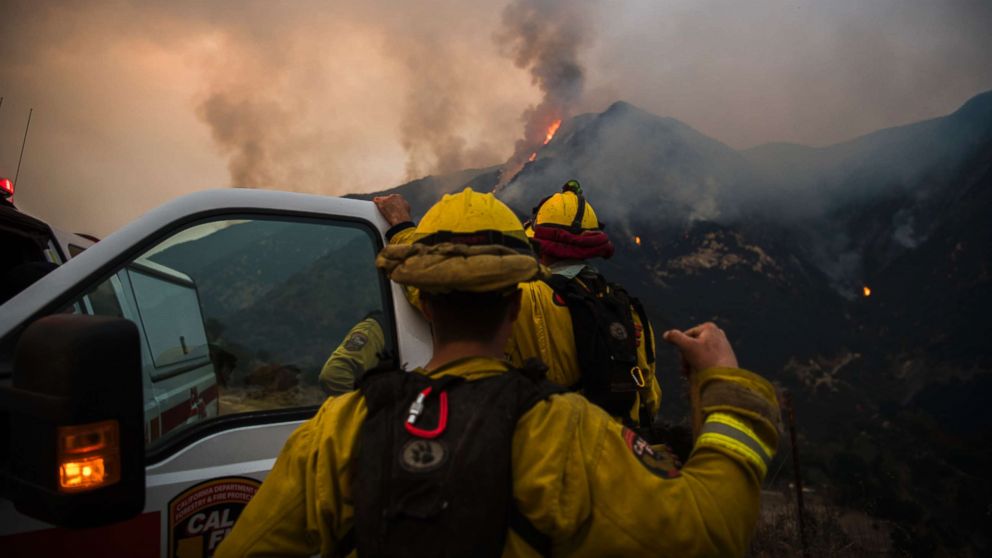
(579, 476)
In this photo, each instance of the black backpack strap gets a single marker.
(526, 531)
(558, 283)
(347, 544)
(579, 213)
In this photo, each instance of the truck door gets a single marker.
(175, 357)
(239, 307)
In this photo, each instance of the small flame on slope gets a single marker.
(515, 164)
(637, 240)
(552, 129)
(866, 290)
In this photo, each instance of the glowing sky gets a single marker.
(136, 103)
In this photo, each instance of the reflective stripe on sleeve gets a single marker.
(727, 431)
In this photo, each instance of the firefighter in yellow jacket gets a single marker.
(580, 483)
(568, 232)
(358, 353)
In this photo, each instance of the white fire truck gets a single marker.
(147, 384)
(30, 247)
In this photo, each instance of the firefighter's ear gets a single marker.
(427, 307)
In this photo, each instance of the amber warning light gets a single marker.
(89, 456)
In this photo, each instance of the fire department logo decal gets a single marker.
(421, 456)
(202, 515)
(660, 463)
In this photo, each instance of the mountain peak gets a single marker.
(628, 111)
(978, 107)
(621, 106)
(628, 160)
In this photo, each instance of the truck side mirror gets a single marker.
(75, 455)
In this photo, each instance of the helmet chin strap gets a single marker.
(579, 213)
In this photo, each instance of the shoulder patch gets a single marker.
(356, 341)
(659, 463)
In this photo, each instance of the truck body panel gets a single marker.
(211, 434)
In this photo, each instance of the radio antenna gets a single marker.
(23, 141)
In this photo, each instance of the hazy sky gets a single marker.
(136, 103)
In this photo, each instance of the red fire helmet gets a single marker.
(6, 187)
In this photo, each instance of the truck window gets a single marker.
(169, 314)
(241, 315)
(104, 300)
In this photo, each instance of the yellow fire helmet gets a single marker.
(567, 209)
(468, 242)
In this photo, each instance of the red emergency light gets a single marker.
(6, 188)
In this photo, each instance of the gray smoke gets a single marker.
(546, 37)
(337, 97)
(249, 132)
(440, 108)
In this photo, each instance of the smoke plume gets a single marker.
(140, 102)
(445, 127)
(546, 37)
(248, 131)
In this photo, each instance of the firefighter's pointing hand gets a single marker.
(704, 346)
(394, 208)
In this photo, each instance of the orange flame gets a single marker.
(532, 157)
(637, 240)
(551, 131)
(866, 290)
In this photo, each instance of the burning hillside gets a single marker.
(545, 38)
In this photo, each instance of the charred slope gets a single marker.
(773, 305)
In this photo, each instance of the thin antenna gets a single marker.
(23, 141)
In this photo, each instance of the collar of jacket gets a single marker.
(570, 268)
(470, 368)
